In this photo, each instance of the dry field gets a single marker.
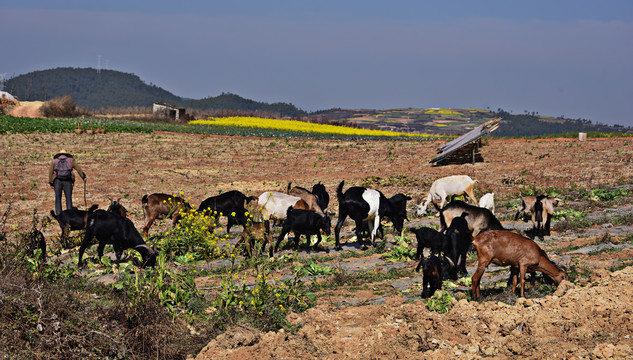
(592, 320)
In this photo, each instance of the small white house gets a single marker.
(6, 95)
(172, 111)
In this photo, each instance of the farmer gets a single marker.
(61, 178)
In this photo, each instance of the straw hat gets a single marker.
(62, 152)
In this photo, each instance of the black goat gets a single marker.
(323, 198)
(72, 219)
(304, 222)
(458, 241)
(117, 208)
(230, 204)
(119, 231)
(428, 238)
(432, 276)
(362, 204)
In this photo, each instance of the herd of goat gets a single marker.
(304, 212)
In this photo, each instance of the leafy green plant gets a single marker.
(401, 251)
(603, 194)
(174, 291)
(313, 269)
(440, 302)
(569, 215)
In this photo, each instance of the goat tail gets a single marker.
(53, 214)
(144, 199)
(93, 208)
(288, 188)
(339, 189)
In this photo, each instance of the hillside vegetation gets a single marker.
(93, 90)
(99, 91)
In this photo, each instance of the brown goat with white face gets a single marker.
(541, 215)
(159, 206)
(505, 248)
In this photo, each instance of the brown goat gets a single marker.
(159, 206)
(540, 224)
(255, 232)
(479, 219)
(309, 198)
(505, 248)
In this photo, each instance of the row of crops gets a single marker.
(232, 126)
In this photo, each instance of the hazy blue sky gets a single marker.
(565, 57)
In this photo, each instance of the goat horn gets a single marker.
(149, 249)
(449, 260)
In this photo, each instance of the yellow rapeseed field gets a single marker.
(297, 126)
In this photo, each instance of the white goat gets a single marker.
(488, 201)
(446, 187)
(274, 205)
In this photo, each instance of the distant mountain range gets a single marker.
(96, 90)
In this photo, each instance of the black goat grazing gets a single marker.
(304, 222)
(231, 204)
(458, 241)
(431, 276)
(118, 231)
(73, 219)
(323, 198)
(159, 206)
(368, 205)
(428, 238)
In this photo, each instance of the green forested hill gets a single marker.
(89, 88)
(92, 89)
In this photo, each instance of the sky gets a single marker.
(571, 58)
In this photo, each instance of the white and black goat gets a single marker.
(368, 205)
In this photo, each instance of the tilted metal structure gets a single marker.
(466, 147)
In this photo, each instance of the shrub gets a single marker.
(195, 233)
(62, 107)
(264, 304)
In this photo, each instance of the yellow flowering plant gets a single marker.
(195, 236)
(299, 127)
(265, 302)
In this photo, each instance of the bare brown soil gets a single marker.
(27, 109)
(590, 321)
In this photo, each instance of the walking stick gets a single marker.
(85, 202)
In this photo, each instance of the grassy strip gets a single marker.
(17, 125)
